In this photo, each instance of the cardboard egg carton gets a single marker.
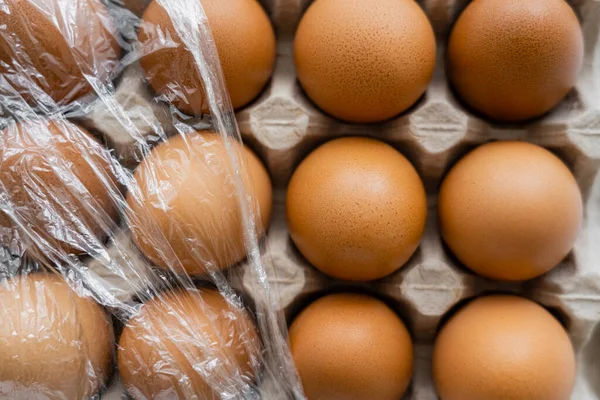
(283, 126)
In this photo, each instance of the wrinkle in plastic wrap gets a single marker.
(173, 233)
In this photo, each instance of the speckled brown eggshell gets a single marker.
(244, 39)
(55, 344)
(351, 347)
(364, 60)
(55, 55)
(59, 181)
(503, 348)
(185, 345)
(514, 60)
(184, 212)
(356, 208)
(510, 210)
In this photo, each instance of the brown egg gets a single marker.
(351, 347)
(510, 210)
(514, 60)
(244, 39)
(185, 345)
(185, 211)
(364, 60)
(135, 6)
(503, 348)
(55, 344)
(40, 49)
(58, 181)
(356, 209)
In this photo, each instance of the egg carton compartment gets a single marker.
(282, 125)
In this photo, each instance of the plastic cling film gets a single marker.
(115, 272)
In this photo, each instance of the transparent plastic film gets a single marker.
(138, 271)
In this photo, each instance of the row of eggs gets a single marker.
(199, 344)
(356, 207)
(360, 61)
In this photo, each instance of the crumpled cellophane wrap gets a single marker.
(176, 326)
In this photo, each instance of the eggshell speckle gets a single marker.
(188, 345)
(351, 347)
(356, 209)
(510, 210)
(55, 344)
(514, 60)
(186, 201)
(364, 60)
(503, 348)
(244, 39)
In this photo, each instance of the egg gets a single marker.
(184, 210)
(135, 6)
(55, 344)
(189, 345)
(244, 39)
(510, 210)
(53, 45)
(356, 209)
(59, 185)
(503, 347)
(514, 60)
(364, 60)
(351, 346)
